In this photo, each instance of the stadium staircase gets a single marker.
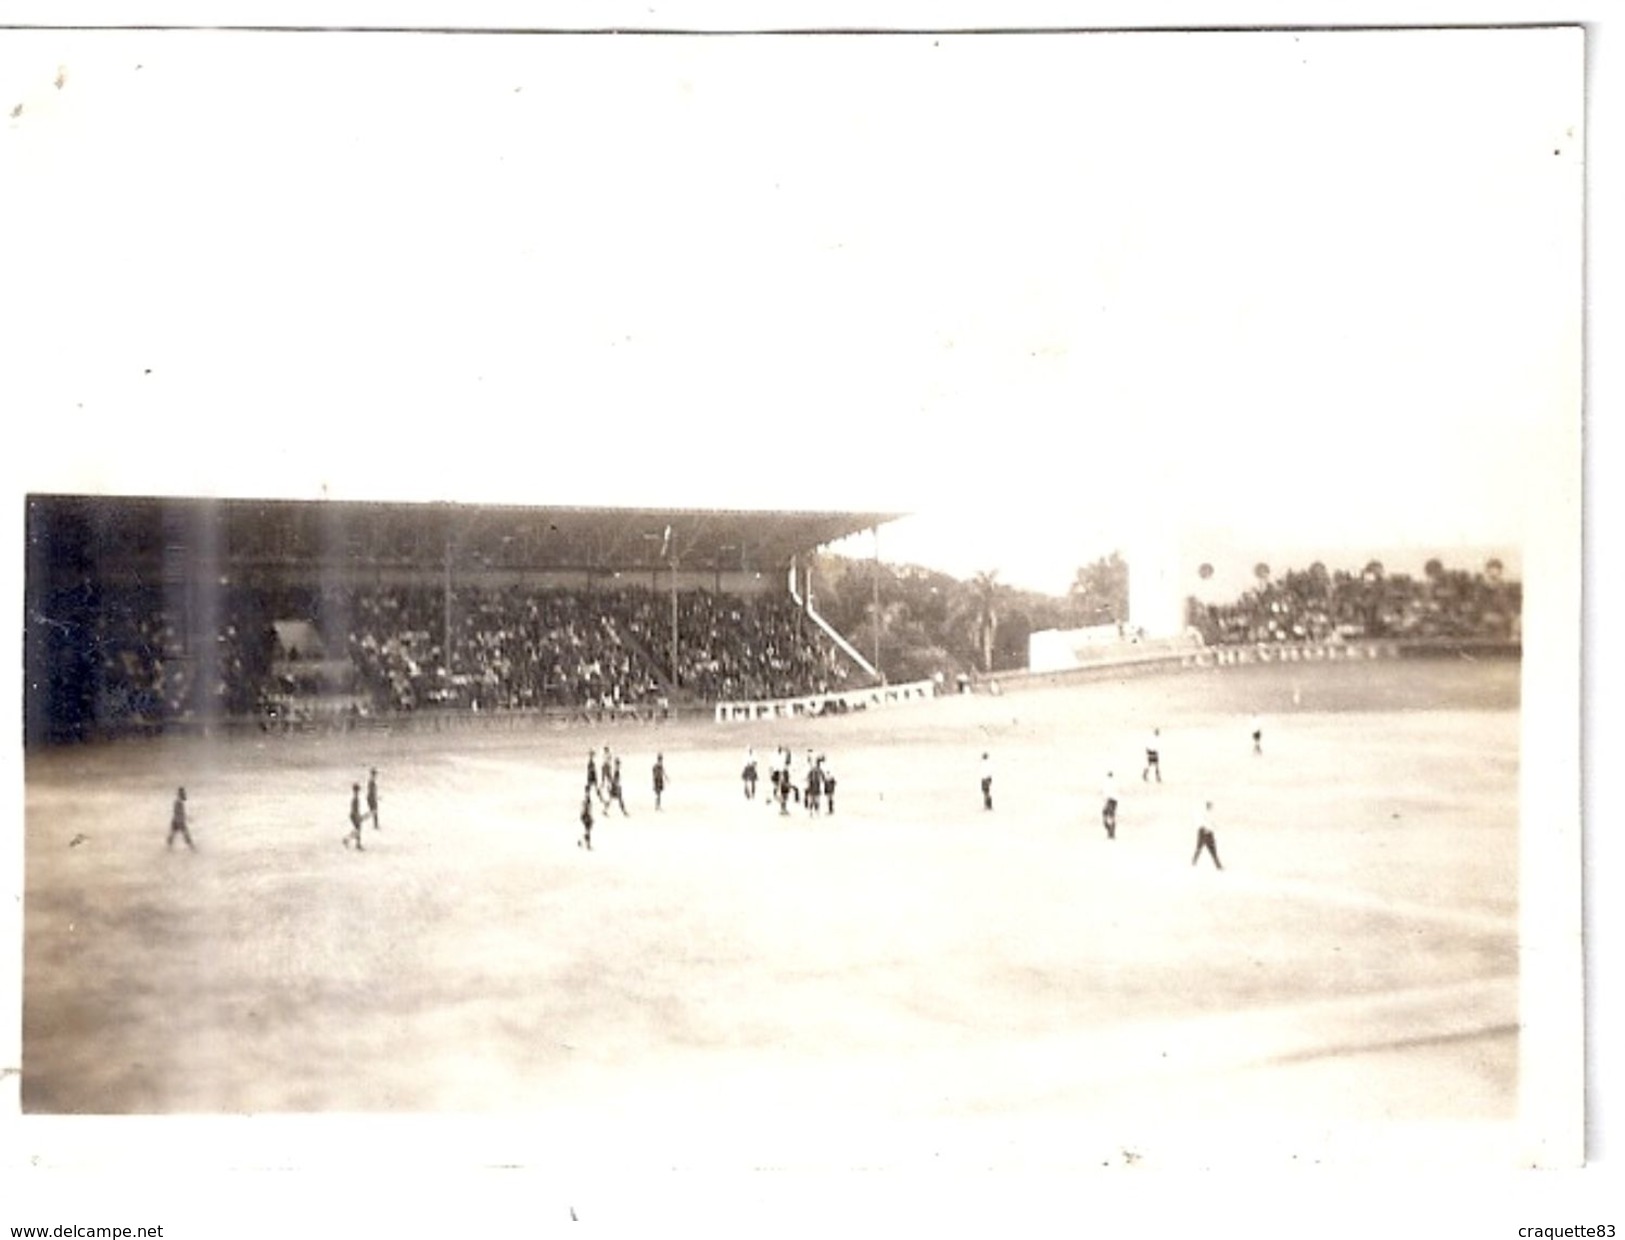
(635, 644)
(830, 631)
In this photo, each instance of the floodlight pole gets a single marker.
(674, 618)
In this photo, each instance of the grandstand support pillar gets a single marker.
(199, 546)
(879, 671)
(674, 619)
(798, 591)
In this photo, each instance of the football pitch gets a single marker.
(719, 973)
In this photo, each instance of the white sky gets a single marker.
(1055, 294)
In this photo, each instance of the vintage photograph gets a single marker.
(826, 600)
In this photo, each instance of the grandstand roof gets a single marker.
(139, 530)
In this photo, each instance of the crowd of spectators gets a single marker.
(510, 649)
(597, 651)
(121, 659)
(1315, 605)
(132, 661)
(733, 649)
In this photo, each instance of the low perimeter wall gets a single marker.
(1357, 651)
(875, 697)
(828, 703)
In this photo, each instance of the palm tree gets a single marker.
(1099, 591)
(1372, 577)
(1320, 579)
(884, 622)
(984, 588)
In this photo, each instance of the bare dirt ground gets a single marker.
(717, 978)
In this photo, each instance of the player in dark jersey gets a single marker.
(829, 786)
(1205, 839)
(355, 819)
(372, 797)
(177, 822)
(592, 772)
(1153, 756)
(748, 775)
(613, 796)
(783, 781)
(787, 763)
(586, 821)
(815, 788)
(987, 782)
(1108, 807)
(659, 777)
(603, 777)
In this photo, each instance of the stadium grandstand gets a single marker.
(1313, 610)
(145, 614)
(1317, 604)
